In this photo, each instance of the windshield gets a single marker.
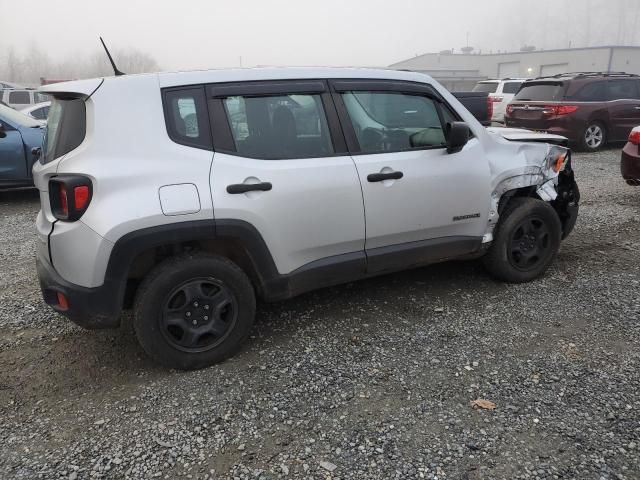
(66, 126)
(17, 119)
(540, 92)
(488, 87)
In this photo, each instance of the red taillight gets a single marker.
(63, 303)
(70, 196)
(81, 196)
(490, 107)
(557, 110)
(64, 201)
(634, 137)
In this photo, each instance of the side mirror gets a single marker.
(36, 152)
(457, 136)
(3, 132)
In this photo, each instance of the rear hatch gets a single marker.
(535, 103)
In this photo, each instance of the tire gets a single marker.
(525, 242)
(193, 311)
(594, 137)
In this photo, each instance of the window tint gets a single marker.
(511, 87)
(187, 118)
(21, 98)
(536, 92)
(388, 122)
(489, 87)
(623, 89)
(66, 127)
(279, 127)
(591, 92)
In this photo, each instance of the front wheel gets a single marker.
(192, 311)
(525, 242)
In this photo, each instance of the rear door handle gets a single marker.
(379, 177)
(248, 187)
(637, 108)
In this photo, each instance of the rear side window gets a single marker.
(279, 127)
(623, 90)
(591, 92)
(540, 92)
(186, 116)
(19, 98)
(511, 87)
(391, 122)
(488, 87)
(66, 128)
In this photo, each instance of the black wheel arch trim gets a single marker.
(270, 284)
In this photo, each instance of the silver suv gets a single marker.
(186, 196)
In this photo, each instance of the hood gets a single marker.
(522, 135)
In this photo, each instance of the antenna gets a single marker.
(116, 72)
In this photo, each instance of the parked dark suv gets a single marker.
(590, 109)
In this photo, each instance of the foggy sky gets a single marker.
(191, 34)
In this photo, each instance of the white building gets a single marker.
(459, 71)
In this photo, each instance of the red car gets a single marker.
(630, 163)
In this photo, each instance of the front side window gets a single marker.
(390, 122)
(19, 98)
(66, 128)
(511, 87)
(186, 116)
(279, 127)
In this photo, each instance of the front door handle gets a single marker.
(248, 187)
(379, 177)
(637, 108)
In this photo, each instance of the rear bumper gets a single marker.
(565, 126)
(630, 163)
(91, 308)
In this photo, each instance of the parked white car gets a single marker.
(20, 98)
(39, 111)
(501, 92)
(258, 183)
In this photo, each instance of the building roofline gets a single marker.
(604, 47)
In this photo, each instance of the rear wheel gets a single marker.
(594, 137)
(193, 311)
(526, 241)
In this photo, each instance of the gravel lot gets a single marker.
(368, 380)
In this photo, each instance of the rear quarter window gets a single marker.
(186, 117)
(540, 92)
(511, 87)
(66, 128)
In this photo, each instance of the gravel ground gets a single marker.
(368, 380)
